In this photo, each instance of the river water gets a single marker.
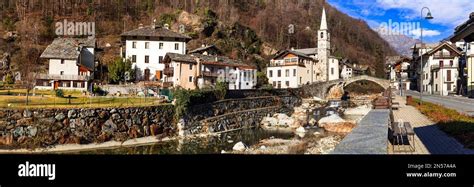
(213, 144)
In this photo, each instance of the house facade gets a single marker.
(398, 72)
(71, 64)
(440, 69)
(193, 71)
(146, 48)
(292, 69)
(465, 33)
(346, 69)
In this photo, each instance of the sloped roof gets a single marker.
(206, 59)
(202, 49)
(155, 32)
(67, 48)
(297, 53)
(444, 44)
(308, 51)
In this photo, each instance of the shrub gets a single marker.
(59, 93)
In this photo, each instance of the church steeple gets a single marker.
(324, 24)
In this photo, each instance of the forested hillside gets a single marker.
(247, 29)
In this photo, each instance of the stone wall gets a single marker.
(42, 128)
(235, 113)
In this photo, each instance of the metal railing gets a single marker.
(63, 77)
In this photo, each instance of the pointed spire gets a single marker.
(324, 24)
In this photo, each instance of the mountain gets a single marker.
(400, 43)
(247, 29)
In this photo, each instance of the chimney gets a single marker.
(153, 25)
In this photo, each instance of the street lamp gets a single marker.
(428, 16)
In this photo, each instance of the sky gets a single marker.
(404, 16)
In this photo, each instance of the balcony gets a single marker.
(169, 71)
(210, 74)
(167, 84)
(64, 77)
(276, 64)
(443, 56)
(435, 67)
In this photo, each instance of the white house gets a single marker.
(192, 71)
(440, 69)
(326, 68)
(71, 64)
(146, 47)
(291, 69)
(346, 70)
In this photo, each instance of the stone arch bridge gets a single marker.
(321, 89)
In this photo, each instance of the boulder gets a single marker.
(300, 130)
(71, 114)
(31, 131)
(239, 147)
(344, 127)
(27, 113)
(333, 118)
(109, 127)
(60, 117)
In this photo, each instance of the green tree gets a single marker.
(221, 90)
(262, 79)
(9, 79)
(118, 69)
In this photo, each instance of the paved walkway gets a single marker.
(428, 139)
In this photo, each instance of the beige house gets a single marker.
(193, 71)
(291, 69)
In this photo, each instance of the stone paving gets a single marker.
(428, 139)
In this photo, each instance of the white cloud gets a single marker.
(448, 13)
(426, 33)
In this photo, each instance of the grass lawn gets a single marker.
(450, 121)
(16, 98)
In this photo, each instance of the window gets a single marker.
(294, 72)
(279, 84)
(301, 80)
(451, 63)
(160, 59)
(279, 73)
(449, 86)
(62, 61)
(322, 34)
(270, 73)
(61, 72)
(448, 78)
(332, 71)
(147, 45)
(190, 67)
(441, 63)
(436, 75)
(160, 46)
(274, 83)
(79, 85)
(176, 46)
(436, 87)
(147, 59)
(287, 73)
(134, 45)
(190, 78)
(287, 83)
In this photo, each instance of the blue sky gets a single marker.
(447, 15)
